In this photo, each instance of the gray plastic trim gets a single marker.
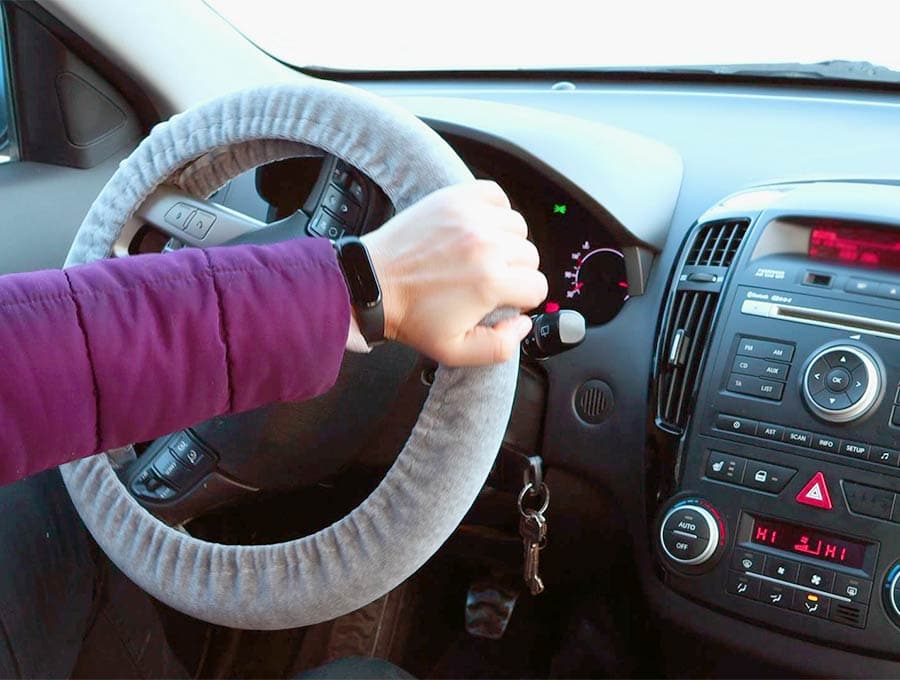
(634, 178)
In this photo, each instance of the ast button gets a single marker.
(769, 431)
(767, 477)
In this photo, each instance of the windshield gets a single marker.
(403, 35)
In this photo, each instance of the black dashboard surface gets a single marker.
(729, 138)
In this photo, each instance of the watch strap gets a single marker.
(363, 286)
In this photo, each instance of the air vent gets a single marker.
(716, 244)
(689, 320)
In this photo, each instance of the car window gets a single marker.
(6, 137)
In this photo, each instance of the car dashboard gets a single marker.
(736, 255)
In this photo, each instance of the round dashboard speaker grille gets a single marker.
(594, 401)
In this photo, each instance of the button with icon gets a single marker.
(816, 577)
(725, 467)
(744, 586)
(783, 570)
(747, 560)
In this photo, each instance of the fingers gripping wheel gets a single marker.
(443, 465)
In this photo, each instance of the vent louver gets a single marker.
(716, 244)
(689, 318)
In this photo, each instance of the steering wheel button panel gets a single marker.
(199, 224)
(179, 214)
(338, 203)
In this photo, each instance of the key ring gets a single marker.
(528, 490)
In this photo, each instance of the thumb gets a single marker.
(491, 344)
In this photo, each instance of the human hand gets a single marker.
(449, 260)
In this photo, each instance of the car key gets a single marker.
(533, 530)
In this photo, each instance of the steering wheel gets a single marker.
(444, 463)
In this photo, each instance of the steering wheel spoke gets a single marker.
(195, 221)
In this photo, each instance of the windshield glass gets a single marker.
(486, 34)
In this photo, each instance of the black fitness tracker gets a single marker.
(362, 282)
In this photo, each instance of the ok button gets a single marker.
(837, 379)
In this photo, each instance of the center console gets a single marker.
(778, 376)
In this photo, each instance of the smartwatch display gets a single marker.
(362, 283)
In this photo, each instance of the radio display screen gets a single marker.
(808, 542)
(857, 245)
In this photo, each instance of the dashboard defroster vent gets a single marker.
(689, 318)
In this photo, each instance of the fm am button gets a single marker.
(815, 493)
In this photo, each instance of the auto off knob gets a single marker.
(689, 534)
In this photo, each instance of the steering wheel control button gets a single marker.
(340, 205)
(149, 486)
(767, 477)
(815, 493)
(869, 500)
(179, 214)
(783, 570)
(325, 225)
(689, 534)
(725, 467)
(842, 383)
(735, 424)
(742, 585)
(199, 224)
(755, 387)
(748, 560)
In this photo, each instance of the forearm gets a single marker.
(109, 353)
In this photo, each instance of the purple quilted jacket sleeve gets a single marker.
(118, 351)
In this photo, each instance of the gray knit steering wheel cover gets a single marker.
(443, 465)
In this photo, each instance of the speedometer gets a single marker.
(595, 283)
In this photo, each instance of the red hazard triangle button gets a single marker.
(815, 493)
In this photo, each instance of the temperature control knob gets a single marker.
(689, 534)
(842, 383)
(891, 593)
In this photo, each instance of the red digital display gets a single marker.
(808, 542)
(856, 245)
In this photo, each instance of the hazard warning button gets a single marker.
(815, 493)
